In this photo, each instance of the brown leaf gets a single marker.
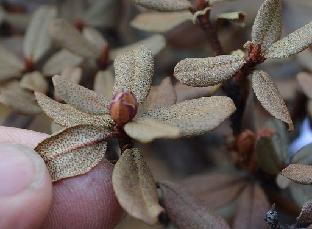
(59, 61)
(134, 71)
(269, 97)
(292, 44)
(185, 92)
(34, 81)
(207, 113)
(298, 173)
(80, 97)
(154, 43)
(146, 130)
(94, 37)
(70, 38)
(68, 116)
(104, 83)
(165, 5)
(162, 95)
(160, 22)
(185, 211)
(74, 151)
(267, 27)
(305, 217)
(72, 74)
(10, 65)
(305, 82)
(215, 190)
(251, 209)
(37, 39)
(203, 72)
(19, 99)
(135, 187)
(234, 17)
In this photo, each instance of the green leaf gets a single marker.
(73, 151)
(68, 116)
(135, 187)
(267, 156)
(272, 152)
(185, 211)
(292, 44)
(37, 39)
(134, 71)
(206, 114)
(146, 130)
(269, 97)
(80, 97)
(203, 72)
(165, 5)
(267, 27)
(160, 22)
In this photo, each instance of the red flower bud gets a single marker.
(123, 107)
(245, 142)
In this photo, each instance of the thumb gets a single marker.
(25, 188)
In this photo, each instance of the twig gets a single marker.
(236, 88)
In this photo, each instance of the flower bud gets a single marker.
(245, 142)
(123, 107)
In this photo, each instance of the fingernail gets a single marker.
(17, 170)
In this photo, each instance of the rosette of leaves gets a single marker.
(265, 44)
(19, 77)
(233, 194)
(170, 14)
(90, 120)
(305, 81)
(89, 45)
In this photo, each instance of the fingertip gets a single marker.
(27, 138)
(25, 187)
(86, 201)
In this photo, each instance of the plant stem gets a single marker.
(237, 87)
(208, 27)
(125, 142)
